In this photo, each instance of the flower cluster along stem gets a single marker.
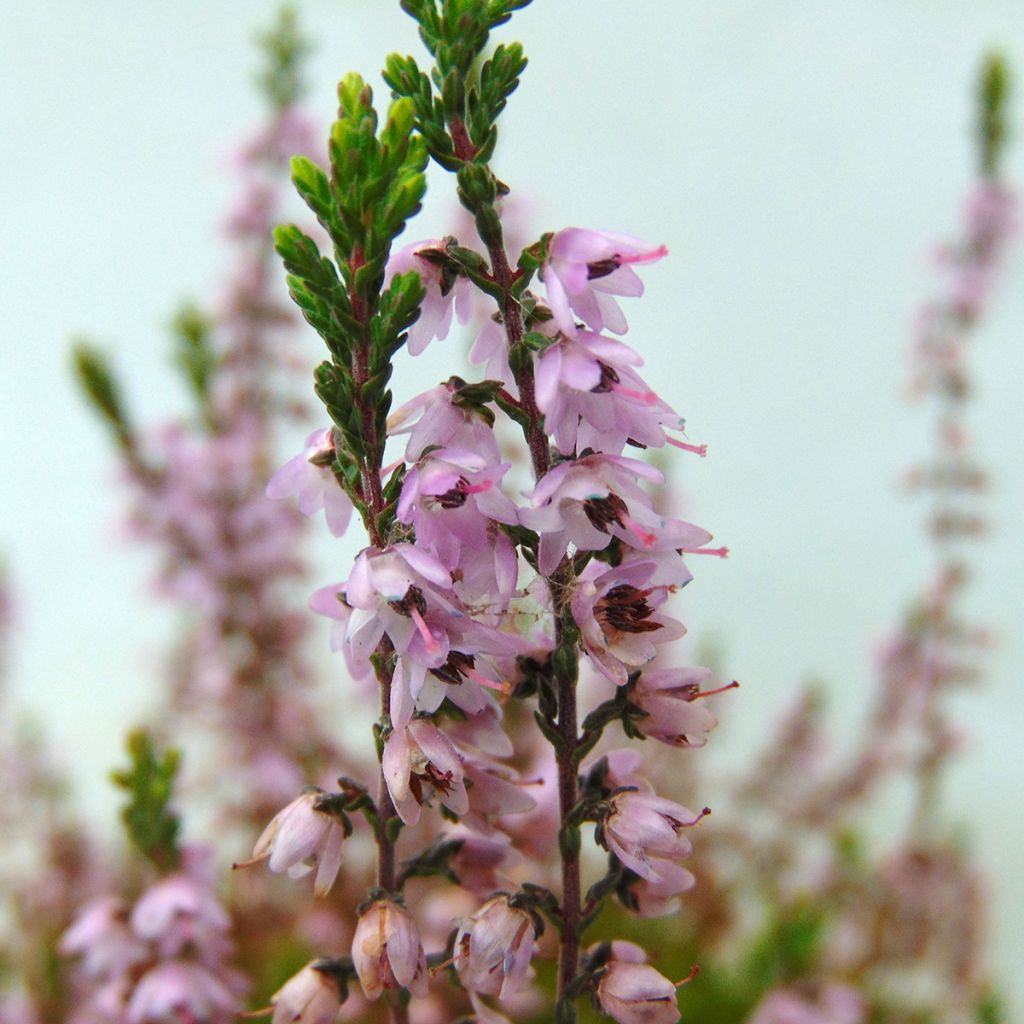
(565, 655)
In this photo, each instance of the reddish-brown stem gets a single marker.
(568, 730)
(369, 472)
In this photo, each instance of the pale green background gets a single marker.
(800, 159)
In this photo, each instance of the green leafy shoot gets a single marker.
(150, 821)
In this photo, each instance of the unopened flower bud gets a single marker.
(387, 951)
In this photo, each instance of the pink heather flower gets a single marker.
(101, 936)
(591, 500)
(480, 859)
(179, 991)
(494, 947)
(675, 714)
(436, 311)
(837, 1004)
(309, 477)
(405, 593)
(387, 952)
(632, 992)
(491, 349)
(617, 612)
(592, 397)
(301, 837)
(310, 997)
(181, 910)
(640, 826)
(436, 419)
(658, 897)
(419, 754)
(453, 500)
(585, 269)
(494, 791)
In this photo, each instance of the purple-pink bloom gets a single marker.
(301, 837)
(387, 951)
(641, 828)
(588, 502)
(453, 500)
(493, 948)
(101, 936)
(310, 997)
(309, 476)
(585, 269)
(617, 611)
(435, 320)
(436, 419)
(592, 397)
(630, 991)
(419, 755)
(181, 991)
(674, 711)
(836, 1004)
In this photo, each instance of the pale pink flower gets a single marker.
(585, 268)
(300, 837)
(493, 948)
(494, 791)
(101, 936)
(310, 478)
(387, 952)
(312, 996)
(592, 397)
(440, 418)
(630, 991)
(419, 755)
(588, 502)
(453, 500)
(658, 896)
(671, 699)
(835, 1004)
(442, 296)
(176, 991)
(617, 611)
(642, 829)
(178, 911)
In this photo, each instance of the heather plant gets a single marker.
(506, 845)
(466, 605)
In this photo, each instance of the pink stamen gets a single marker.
(643, 257)
(694, 971)
(491, 684)
(722, 552)
(645, 538)
(484, 485)
(734, 685)
(647, 397)
(697, 449)
(424, 630)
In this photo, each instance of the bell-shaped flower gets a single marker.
(182, 910)
(179, 990)
(589, 501)
(494, 791)
(630, 991)
(674, 712)
(302, 836)
(310, 997)
(453, 500)
(658, 896)
(640, 827)
(387, 951)
(100, 934)
(592, 397)
(440, 417)
(420, 760)
(405, 592)
(493, 948)
(585, 269)
(444, 293)
(309, 476)
(617, 611)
